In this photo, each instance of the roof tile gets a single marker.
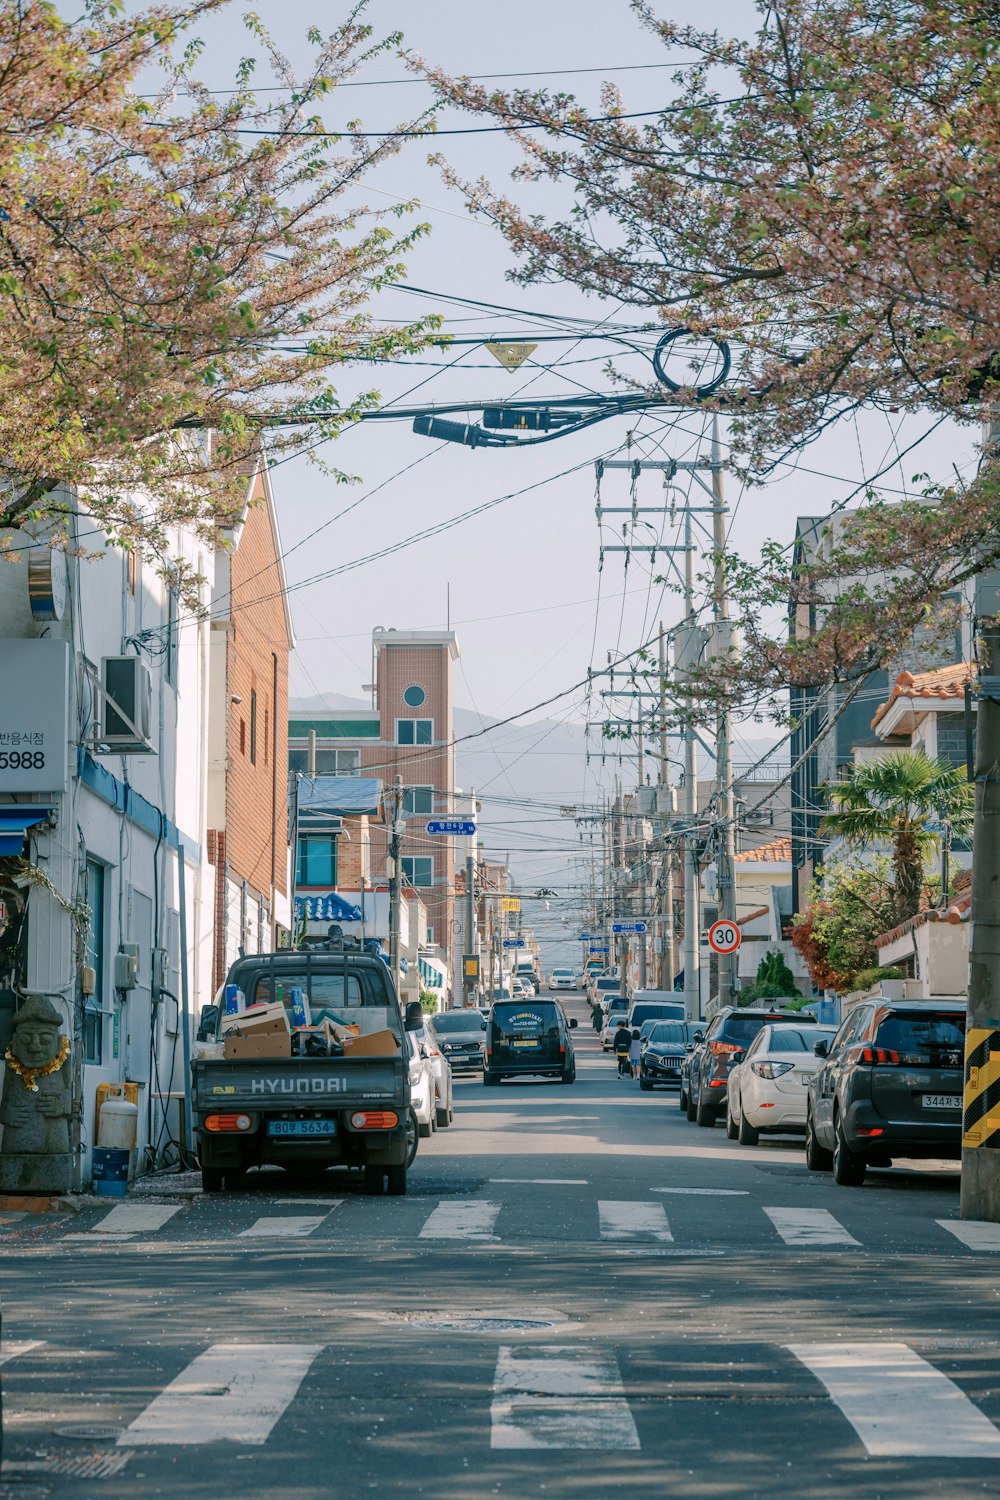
(942, 682)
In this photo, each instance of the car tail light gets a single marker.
(375, 1119)
(228, 1122)
(770, 1069)
(724, 1049)
(870, 1130)
(879, 1055)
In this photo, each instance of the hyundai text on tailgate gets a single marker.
(308, 1067)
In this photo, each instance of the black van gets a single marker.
(528, 1036)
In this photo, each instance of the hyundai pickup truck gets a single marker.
(306, 1110)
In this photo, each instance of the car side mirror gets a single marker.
(689, 1046)
(699, 1036)
(208, 1022)
(414, 1016)
(822, 1047)
(573, 1022)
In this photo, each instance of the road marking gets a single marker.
(132, 1218)
(560, 1396)
(233, 1393)
(977, 1235)
(633, 1221)
(706, 1192)
(461, 1221)
(283, 1227)
(898, 1404)
(547, 1181)
(14, 1348)
(809, 1226)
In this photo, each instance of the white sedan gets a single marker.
(767, 1089)
(562, 979)
(422, 1091)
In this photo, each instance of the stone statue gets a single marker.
(36, 1103)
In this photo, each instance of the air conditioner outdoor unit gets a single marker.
(127, 703)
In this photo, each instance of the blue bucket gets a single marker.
(110, 1172)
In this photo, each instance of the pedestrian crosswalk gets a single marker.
(590, 1395)
(247, 1220)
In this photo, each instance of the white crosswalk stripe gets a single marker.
(14, 1348)
(468, 1219)
(809, 1226)
(560, 1396)
(972, 1232)
(285, 1226)
(633, 1221)
(233, 1393)
(129, 1220)
(899, 1405)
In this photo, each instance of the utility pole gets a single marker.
(470, 927)
(980, 1196)
(665, 967)
(395, 880)
(723, 738)
(692, 887)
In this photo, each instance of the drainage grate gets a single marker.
(86, 1466)
(90, 1432)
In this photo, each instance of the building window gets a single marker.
(328, 762)
(418, 801)
(418, 871)
(317, 860)
(253, 726)
(131, 563)
(243, 736)
(267, 732)
(173, 632)
(414, 731)
(93, 1005)
(414, 697)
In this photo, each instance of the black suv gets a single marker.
(528, 1036)
(890, 1085)
(664, 1053)
(705, 1080)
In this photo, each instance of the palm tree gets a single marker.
(897, 799)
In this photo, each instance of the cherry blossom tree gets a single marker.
(175, 263)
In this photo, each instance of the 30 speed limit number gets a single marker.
(724, 937)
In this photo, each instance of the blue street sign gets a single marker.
(598, 948)
(452, 825)
(590, 937)
(628, 927)
(514, 943)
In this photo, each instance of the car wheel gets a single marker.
(691, 1110)
(645, 1085)
(704, 1115)
(396, 1178)
(818, 1158)
(747, 1135)
(425, 1130)
(412, 1136)
(211, 1179)
(490, 1080)
(682, 1099)
(731, 1126)
(443, 1118)
(374, 1180)
(569, 1077)
(848, 1168)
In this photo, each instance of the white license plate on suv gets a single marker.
(941, 1101)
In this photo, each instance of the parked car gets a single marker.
(664, 1049)
(520, 989)
(608, 987)
(717, 1051)
(444, 1106)
(422, 1097)
(610, 1027)
(525, 1037)
(641, 1011)
(767, 1090)
(889, 1084)
(461, 1036)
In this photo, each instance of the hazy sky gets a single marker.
(523, 577)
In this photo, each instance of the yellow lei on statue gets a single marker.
(29, 1075)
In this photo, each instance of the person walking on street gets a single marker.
(634, 1050)
(597, 1017)
(623, 1042)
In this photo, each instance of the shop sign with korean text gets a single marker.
(34, 715)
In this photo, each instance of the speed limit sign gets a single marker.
(724, 937)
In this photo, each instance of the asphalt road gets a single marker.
(581, 1293)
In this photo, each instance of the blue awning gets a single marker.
(14, 825)
(431, 973)
(321, 798)
(327, 908)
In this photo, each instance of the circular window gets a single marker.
(414, 696)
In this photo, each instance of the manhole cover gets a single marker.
(92, 1432)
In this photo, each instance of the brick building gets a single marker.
(251, 639)
(408, 733)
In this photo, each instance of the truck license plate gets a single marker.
(301, 1127)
